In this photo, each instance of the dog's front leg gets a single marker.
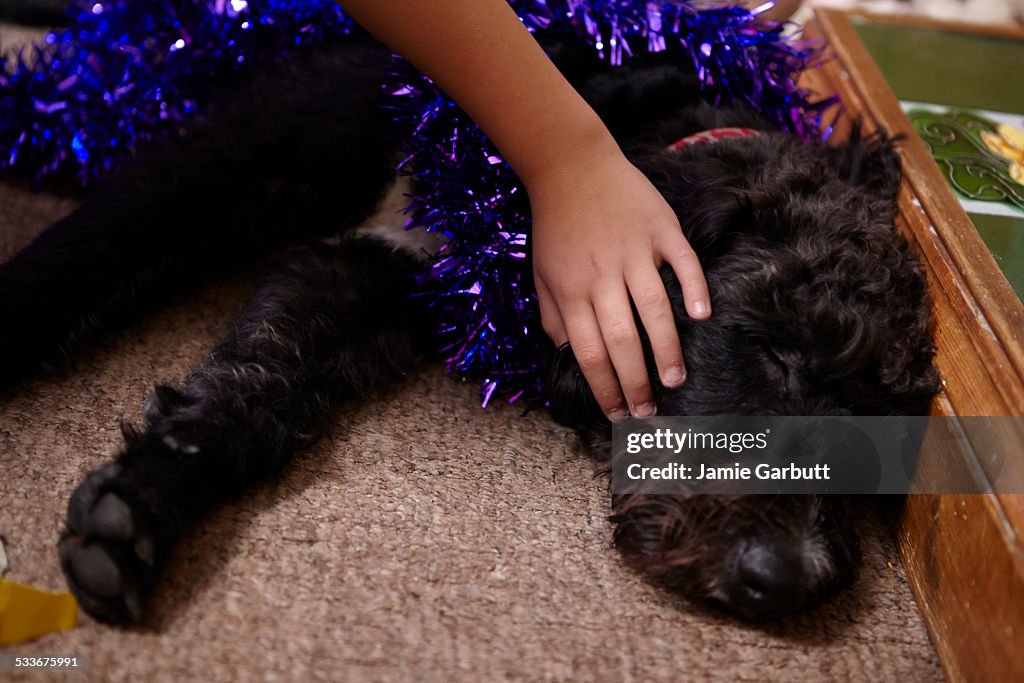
(334, 322)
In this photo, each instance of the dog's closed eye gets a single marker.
(781, 371)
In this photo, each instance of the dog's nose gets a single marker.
(766, 582)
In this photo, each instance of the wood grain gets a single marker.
(963, 553)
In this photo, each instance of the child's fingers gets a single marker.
(652, 303)
(622, 340)
(550, 317)
(589, 349)
(678, 253)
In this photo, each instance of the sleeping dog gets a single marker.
(820, 308)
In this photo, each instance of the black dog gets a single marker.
(819, 308)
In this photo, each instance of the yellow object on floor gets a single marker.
(27, 612)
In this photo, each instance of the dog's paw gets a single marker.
(108, 550)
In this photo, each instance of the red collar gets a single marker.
(713, 135)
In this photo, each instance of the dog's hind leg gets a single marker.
(303, 151)
(336, 322)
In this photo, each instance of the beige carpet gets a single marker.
(423, 539)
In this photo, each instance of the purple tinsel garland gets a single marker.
(127, 71)
(131, 70)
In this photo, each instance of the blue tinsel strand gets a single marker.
(131, 70)
(480, 282)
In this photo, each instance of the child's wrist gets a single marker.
(569, 157)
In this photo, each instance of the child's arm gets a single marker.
(600, 229)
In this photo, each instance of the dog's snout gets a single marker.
(766, 582)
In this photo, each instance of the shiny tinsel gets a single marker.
(126, 71)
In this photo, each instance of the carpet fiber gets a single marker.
(422, 539)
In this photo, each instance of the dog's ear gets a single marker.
(868, 161)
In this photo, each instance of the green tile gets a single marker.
(1004, 236)
(946, 67)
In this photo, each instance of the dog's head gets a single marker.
(819, 305)
(819, 308)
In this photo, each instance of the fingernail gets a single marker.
(674, 377)
(617, 414)
(700, 308)
(645, 410)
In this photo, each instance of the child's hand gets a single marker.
(600, 232)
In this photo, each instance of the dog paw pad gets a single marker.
(95, 572)
(111, 518)
(108, 552)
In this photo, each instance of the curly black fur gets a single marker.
(820, 308)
